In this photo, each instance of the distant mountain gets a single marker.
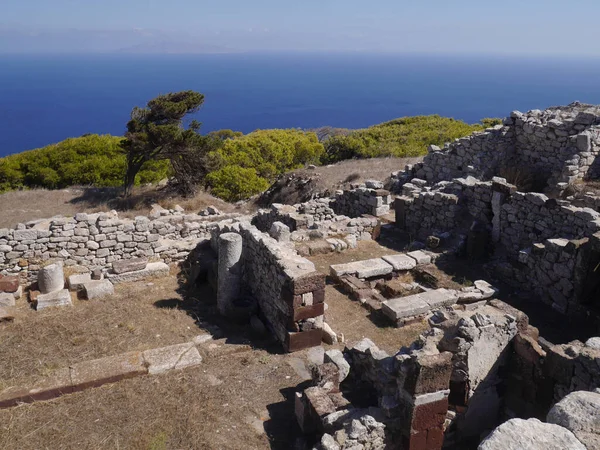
(13, 40)
(173, 47)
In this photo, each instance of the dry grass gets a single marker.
(240, 397)
(40, 341)
(23, 206)
(233, 402)
(344, 173)
(353, 320)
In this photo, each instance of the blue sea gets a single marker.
(44, 99)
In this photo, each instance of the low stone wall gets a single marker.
(539, 375)
(533, 217)
(305, 226)
(362, 200)
(554, 147)
(98, 240)
(289, 291)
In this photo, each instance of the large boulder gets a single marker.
(519, 434)
(51, 278)
(579, 412)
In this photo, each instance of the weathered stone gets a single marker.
(152, 269)
(94, 289)
(420, 257)
(519, 434)
(129, 265)
(579, 412)
(173, 357)
(336, 357)
(230, 271)
(77, 281)
(101, 371)
(363, 269)
(400, 262)
(51, 278)
(56, 298)
(9, 284)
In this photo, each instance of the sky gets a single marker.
(544, 27)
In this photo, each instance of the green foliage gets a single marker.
(88, 160)
(408, 136)
(267, 153)
(233, 183)
(157, 131)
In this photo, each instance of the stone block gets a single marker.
(429, 373)
(56, 298)
(9, 284)
(420, 257)
(25, 235)
(101, 371)
(307, 312)
(129, 265)
(362, 269)
(76, 281)
(51, 278)
(337, 357)
(296, 341)
(399, 308)
(305, 283)
(7, 299)
(56, 384)
(94, 289)
(173, 357)
(318, 402)
(7, 314)
(400, 262)
(152, 269)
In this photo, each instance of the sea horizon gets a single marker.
(47, 98)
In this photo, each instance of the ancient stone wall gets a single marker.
(98, 240)
(549, 149)
(289, 291)
(541, 374)
(362, 200)
(529, 218)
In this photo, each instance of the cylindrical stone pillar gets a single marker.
(51, 278)
(230, 271)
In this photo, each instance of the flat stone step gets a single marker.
(58, 298)
(152, 269)
(400, 262)
(414, 305)
(362, 269)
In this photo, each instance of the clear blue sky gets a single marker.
(464, 26)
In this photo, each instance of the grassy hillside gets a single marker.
(241, 165)
(404, 137)
(87, 160)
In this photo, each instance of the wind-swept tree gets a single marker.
(157, 131)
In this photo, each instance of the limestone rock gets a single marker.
(173, 357)
(51, 278)
(129, 265)
(77, 281)
(97, 289)
(56, 298)
(579, 412)
(336, 356)
(519, 434)
(593, 342)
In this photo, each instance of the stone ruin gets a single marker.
(478, 366)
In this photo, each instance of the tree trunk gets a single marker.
(132, 170)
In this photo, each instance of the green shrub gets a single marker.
(88, 160)
(408, 136)
(246, 165)
(233, 183)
